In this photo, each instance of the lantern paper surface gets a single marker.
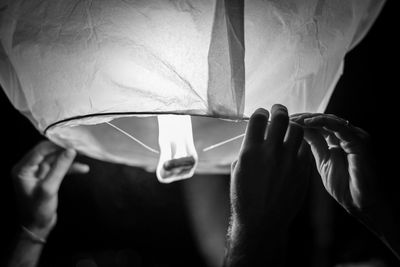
(117, 80)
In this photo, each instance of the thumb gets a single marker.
(58, 170)
(318, 145)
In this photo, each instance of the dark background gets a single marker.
(122, 212)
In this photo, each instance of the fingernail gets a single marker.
(261, 111)
(276, 107)
(85, 168)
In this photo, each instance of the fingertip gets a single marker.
(280, 113)
(255, 130)
(85, 168)
(261, 112)
(259, 118)
(79, 168)
(279, 108)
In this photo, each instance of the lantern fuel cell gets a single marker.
(178, 156)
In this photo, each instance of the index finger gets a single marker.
(279, 124)
(300, 117)
(255, 131)
(338, 126)
(36, 155)
(59, 169)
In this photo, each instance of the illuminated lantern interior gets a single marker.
(167, 85)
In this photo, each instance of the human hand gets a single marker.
(37, 179)
(270, 178)
(343, 158)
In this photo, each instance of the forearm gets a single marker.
(25, 254)
(262, 248)
(27, 248)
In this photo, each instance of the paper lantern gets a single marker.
(171, 83)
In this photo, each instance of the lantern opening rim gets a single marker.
(123, 114)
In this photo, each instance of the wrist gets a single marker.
(253, 246)
(39, 231)
(257, 232)
(33, 236)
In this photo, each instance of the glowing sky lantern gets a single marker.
(166, 85)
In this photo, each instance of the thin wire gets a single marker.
(134, 139)
(157, 152)
(222, 143)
